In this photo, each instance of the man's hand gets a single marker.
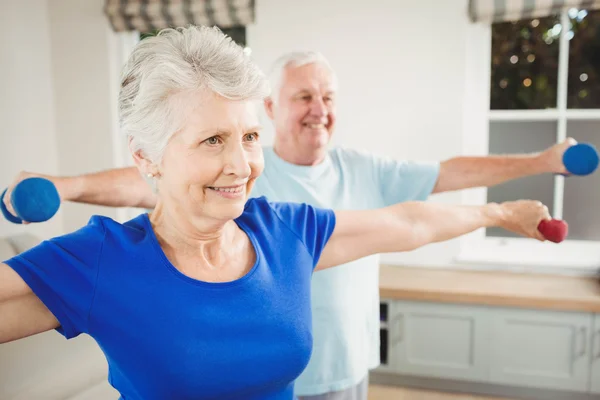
(552, 157)
(20, 177)
(119, 187)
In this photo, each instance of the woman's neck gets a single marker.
(208, 240)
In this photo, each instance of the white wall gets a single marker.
(27, 130)
(55, 101)
(401, 66)
(81, 56)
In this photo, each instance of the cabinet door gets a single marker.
(442, 340)
(544, 349)
(595, 346)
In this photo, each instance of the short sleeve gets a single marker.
(312, 225)
(401, 181)
(62, 272)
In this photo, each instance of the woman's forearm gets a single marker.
(410, 225)
(431, 223)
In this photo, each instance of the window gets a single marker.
(544, 85)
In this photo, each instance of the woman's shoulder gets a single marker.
(262, 208)
(139, 222)
(257, 211)
(295, 217)
(99, 227)
(303, 224)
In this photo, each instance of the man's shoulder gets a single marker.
(356, 156)
(353, 159)
(349, 154)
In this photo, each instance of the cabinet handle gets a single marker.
(584, 341)
(398, 328)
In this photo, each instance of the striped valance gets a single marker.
(489, 11)
(148, 15)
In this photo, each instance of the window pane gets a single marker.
(525, 64)
(521, 137)
(582, 193)
(584, 59)
(237, 34)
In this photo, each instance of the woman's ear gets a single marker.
(146, 167)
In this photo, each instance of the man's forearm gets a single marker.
(123, 187)
(467, 172)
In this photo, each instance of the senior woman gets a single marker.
(208, 296)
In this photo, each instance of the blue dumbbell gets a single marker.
(33, 199)
(581, 159)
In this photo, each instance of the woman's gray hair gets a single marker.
(294, 59)
(176, 61)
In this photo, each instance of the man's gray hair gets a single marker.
(294, 59)
(177, 61)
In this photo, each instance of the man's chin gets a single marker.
(318, 141)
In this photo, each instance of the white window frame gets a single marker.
(571, 256)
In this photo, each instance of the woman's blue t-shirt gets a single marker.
(168, 336)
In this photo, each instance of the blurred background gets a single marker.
(419, 80)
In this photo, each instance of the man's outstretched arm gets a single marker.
(468, 172)
(121, 187)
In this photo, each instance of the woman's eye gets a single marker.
(252, 137)
(213, 140)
